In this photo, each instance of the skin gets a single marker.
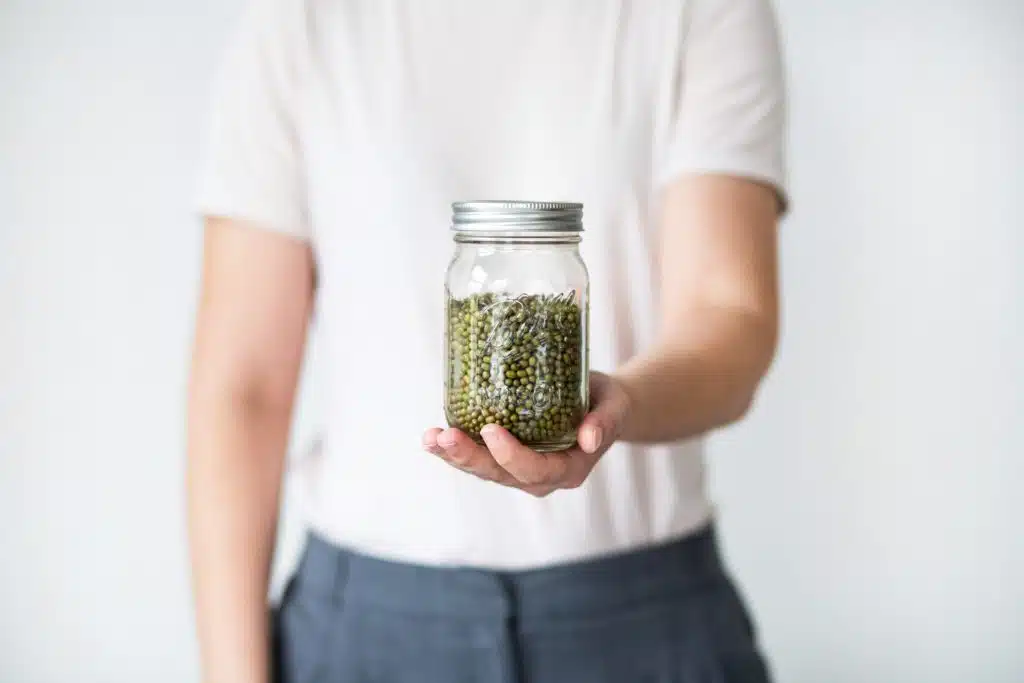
(257, 294)
(719, 312)
(719, 321)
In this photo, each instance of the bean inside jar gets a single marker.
(515, 361)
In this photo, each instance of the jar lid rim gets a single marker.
(490, 215)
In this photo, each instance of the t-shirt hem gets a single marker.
(701, 518)
(745, 169)
(259, 218)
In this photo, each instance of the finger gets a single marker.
(464, 453)
(590, 435)
(430, 441)
(525, 465)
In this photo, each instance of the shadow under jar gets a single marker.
(516, 305)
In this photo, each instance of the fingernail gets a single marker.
(488, 431)
(446, 439)
(594, 439)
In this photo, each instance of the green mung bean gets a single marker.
(516, 361)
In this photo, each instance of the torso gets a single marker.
(405, 108)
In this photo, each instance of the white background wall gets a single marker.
(870, 504)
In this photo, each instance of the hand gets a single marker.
(506, 461)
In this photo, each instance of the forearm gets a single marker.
(694, 382)
(235, 461)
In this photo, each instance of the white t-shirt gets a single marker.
(354, 124)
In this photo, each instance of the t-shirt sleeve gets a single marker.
(729, 112)
(252, 159)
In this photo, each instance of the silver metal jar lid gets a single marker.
(494, 215)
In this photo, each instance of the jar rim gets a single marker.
(514, 216)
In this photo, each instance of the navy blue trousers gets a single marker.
(668, 614)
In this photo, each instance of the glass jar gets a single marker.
(516, 307)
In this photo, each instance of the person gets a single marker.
(341, 132)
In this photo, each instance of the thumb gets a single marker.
(603, 423)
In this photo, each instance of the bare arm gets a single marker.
(251, 329)
(718, 294)
(719, 310)
(718, 330)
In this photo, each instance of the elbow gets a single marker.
(222, 402)
(759, 363)
(247, 401)
(744, 394)
(738, 408)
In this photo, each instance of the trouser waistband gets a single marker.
(603, 585)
